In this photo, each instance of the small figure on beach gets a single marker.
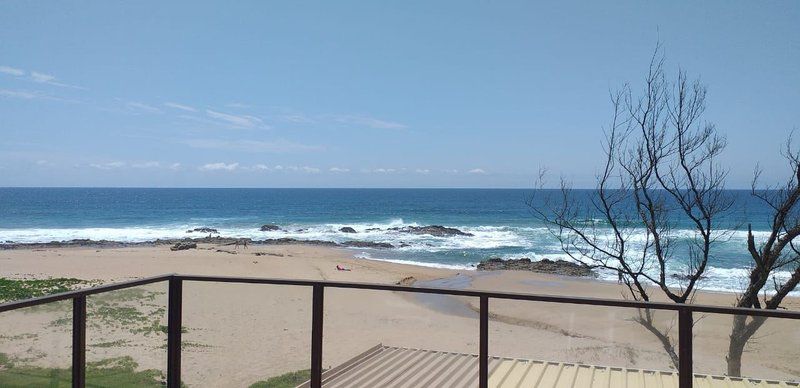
(341, 268)
(242, 242)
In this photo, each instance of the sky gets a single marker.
(371, 94)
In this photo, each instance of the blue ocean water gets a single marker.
(501, 220)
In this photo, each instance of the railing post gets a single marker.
(79, 341)
(483, 355)
(174, 323)
(317, 312)
(685, 322)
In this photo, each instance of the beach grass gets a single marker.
(19, 289)
(286, 380)
(113, 372)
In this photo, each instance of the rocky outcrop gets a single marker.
(269, 228)
(203, 230)
(433, 230)
(182, 246)
(367, 244)
(347, 229)
(557, 267)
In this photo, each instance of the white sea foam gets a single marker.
(464, 267)
(535, 243)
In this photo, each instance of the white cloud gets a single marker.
(477, 171)
(50, 79)
(278, 146)
(298, 119)
(382, 170)
(219, 167)
(42, 78)
(305, 169)
(422, 171)
(12, 71)
(175, 105)
(242, 121)
(338, 169)
(175, 166)
(238, 105)
(369, 122)
(262, 167)
(453, 171)
(146, 165)
(23, 94)
(140, 107)
(108, 166)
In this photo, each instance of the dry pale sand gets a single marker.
(237, 334)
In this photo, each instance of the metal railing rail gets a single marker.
(175, 302)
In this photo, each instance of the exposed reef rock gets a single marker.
(347, 229)
(433, 230)
(269, 228)
(203, 230)
(558, 267)
(182, 246)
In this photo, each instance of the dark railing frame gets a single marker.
(174, 318)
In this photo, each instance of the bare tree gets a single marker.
(777, 252)
(660, 170)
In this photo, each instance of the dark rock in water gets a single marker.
(286, 241)
(558, 267)
(269, 228)
(367, 244)
(373, 229)
(203, 230)
(182, 246)
(681, 276)
(433, 230)
(347, 229)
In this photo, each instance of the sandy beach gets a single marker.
(236, 335)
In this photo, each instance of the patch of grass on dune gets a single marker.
(113, 372)
(19, 289)
(286, 380)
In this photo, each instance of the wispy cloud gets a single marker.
(305, 169)
(219, 167)
(50, 79)
(422, 171)
(107, 166)
(477, 171)
(150, 164)
(297, 119)
(36, 76)
(369, 122)
(141, 107)
(33, 95)
(175, 105)
(12, 71)
(278, 146)
(241, 121)
(24, 94)
(338, 169)
(41, 77)
(237, 105)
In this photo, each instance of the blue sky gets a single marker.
(369, 94)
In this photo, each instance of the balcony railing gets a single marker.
(175, 299)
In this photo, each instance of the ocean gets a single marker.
(500, 220)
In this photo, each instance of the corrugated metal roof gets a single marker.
(388, 366)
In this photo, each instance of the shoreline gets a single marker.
(350, 247)
(236, 322)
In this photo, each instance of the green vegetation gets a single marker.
(18, 289)
(286, 380)
(114, 372)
